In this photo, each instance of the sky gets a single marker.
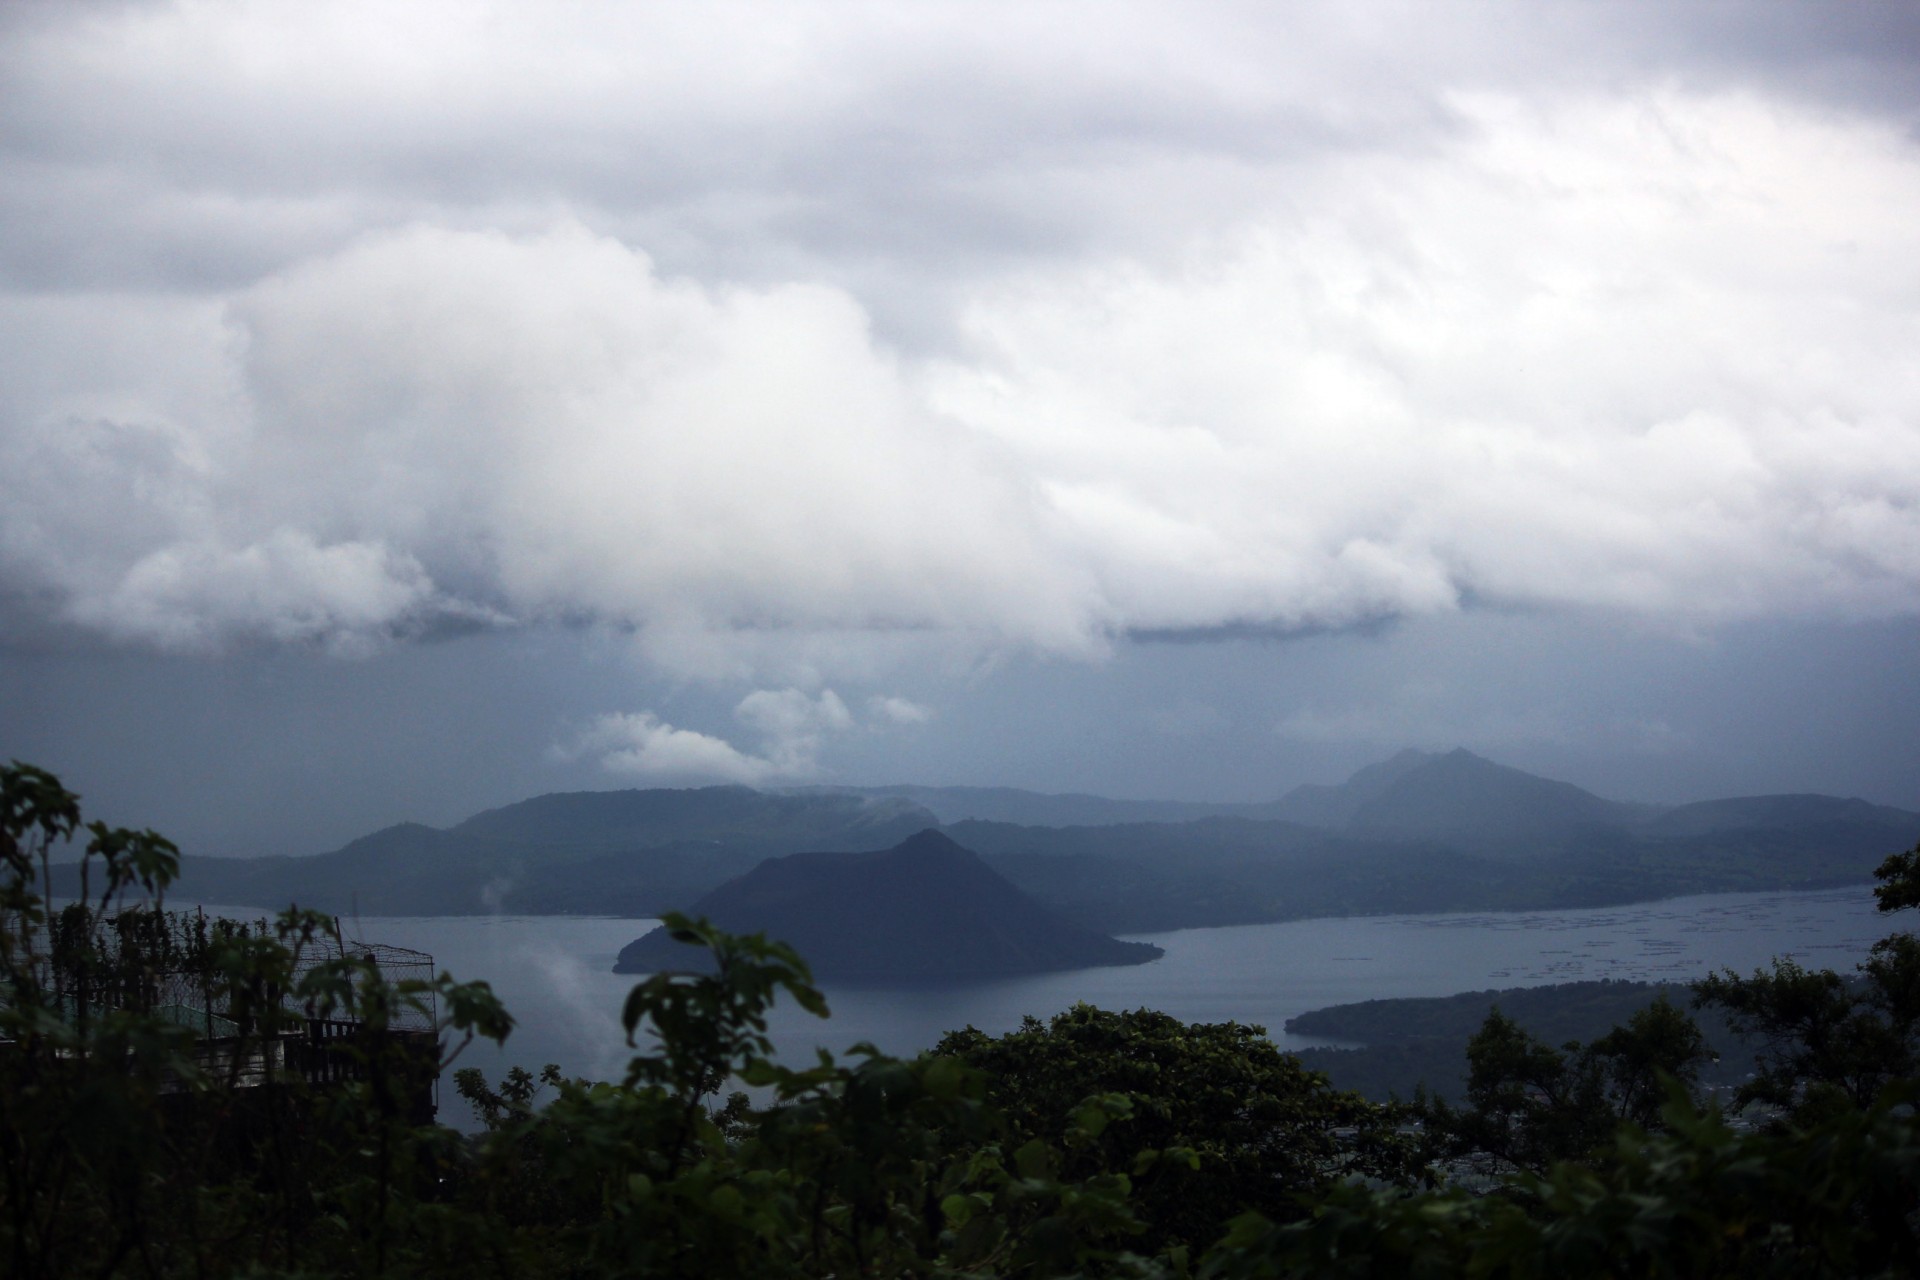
(408, 409)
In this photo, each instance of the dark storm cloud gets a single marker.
(1861, 55)
(1257, 632)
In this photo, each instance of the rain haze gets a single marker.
(409, 409)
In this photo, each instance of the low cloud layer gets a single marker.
(1244, 352)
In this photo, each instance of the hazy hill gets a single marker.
(1037, 808)
(597, 821)
(924, 909)
(593, 852)
(1463, 799)
(1148, 877)
(1208, 841)
(1417, 832)
(1780, 813)
(1320, 805)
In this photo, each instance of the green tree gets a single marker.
(1218, 1119)
(1829, 1041)
(1530, 1106)
(1641, 1061)
(1697, 1199)
(138, 1134)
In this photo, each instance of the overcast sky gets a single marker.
(406, 409)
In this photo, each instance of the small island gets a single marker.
(926, 909)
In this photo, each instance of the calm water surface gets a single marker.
(553, 972)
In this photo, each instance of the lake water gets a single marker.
(554, 972)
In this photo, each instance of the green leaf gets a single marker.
(726, 1202)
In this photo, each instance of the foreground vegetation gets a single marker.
(1097, 1144)
(1414, 1042)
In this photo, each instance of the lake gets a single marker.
(553, 972)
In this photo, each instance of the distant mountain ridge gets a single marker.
(600, 820)
(1320, 805)
(925, 909)
(1798, 812)
(1463, 798)
(1420, 831)
(1035, 808)
(634, 852)
(1417, 795)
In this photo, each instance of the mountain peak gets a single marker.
(1456, 797)
(932, 842)
(1463, 797)
(1318, 805)
(927, 908)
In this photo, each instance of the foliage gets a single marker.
(130, 1141)
(138, 1142)
(869, 1166)
(1531, 1106)
(1828, 1042)
(1217, 1118)
(1697, 1200)
(1411, 1042)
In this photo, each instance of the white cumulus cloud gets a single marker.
(640, 745)
(791, 729)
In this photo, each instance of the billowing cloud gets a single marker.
(792, 724)
(1643, 355)
(791, 728)
(284, 588)
(530, 429)
(640, 745)
(1241, 336)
